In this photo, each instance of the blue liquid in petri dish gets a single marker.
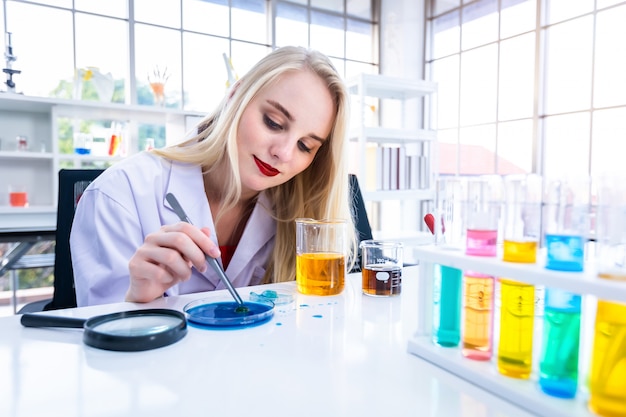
(227, 314)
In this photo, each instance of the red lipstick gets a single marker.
(266, 169)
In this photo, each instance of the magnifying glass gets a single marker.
(127, 331)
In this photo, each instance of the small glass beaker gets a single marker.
(321, 248)
(83, 143)
(22, 143)
(382, 268)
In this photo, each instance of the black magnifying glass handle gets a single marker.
(40, 320)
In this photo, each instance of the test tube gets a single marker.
(522, 230)
(449, 229)
(483, 216)
(566, 214)
(607, 380)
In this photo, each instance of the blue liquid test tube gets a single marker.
(447, 287)
(558, 367)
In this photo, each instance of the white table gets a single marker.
(342, 355)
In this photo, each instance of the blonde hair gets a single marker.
(321, 191)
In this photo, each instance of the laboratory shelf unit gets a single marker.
(38, 120)
(523, 393)
(393, 153)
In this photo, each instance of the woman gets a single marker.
(271, 152)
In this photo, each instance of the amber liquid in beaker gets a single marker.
(320, 273)
(381, 280)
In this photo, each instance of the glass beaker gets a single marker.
(382, 268)
(321, 248)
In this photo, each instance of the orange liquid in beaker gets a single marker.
(320, 273)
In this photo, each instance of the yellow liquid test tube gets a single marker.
(517, 315)
(607, 381)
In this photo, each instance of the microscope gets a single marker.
(9, 58)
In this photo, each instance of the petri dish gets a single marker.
(225, 314)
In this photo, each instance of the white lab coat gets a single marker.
(127, 202)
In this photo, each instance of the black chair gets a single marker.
(72, 183)
(359, 214)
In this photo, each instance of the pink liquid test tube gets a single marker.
(483, 207)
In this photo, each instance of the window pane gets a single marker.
(446, 35)
(115, 8)
(610, 58)
(248, 20)
(446, 75)
(478, 150)
(245, 55)
(517, 77)
(206, 16)
(442, 6)
(566, 145)
(360, 8)
(35, 53)
(291, 25)
(568, 66)
(478, 85)
(61, 3)
(448, 149)
(157, 50)
(355, 68)
(517, 16)
(558, 10)
(600, 4)
(327, 33)
(480, 24)
(609, 129)
(339, 64)
(515, 147)
(158, 12)
(109, 54)
(359, 41)
(333, 5)
(205, 74)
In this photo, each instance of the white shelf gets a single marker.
(585, 282)
(523, 393)
(22, 155)
(386, 135)
(383, 86)
(35, 217)
(89, 158)
(382, 195)
(28, 104)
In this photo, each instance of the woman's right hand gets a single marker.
(166, 258)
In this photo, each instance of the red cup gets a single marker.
(18, 198)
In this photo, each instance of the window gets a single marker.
(184, 43)
(528, 85)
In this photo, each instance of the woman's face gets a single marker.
(282, 129)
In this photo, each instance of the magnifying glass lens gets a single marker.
(138, 325)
